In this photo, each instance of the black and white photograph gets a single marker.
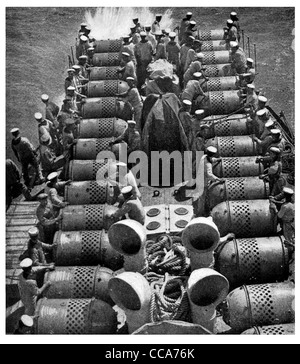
(150, 174)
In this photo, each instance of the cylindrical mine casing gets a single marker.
(91, 192)
(214, 45)
(106, 107)
(283, 329)
(79, 282)
(238, 188)
(216, 57)
(106, 59)
(108, 45)
(104, 73)
(238, 167)
(253, 261)
(75, 316)
(87, 170)
(260, 305)
(223, 102)
(213, 34)
(104, 88)
(220, 84)
(217, 70)
(245, 219)
(101, 128)
(89, 148)
(89, 247)
(233, 146)
(86, 217)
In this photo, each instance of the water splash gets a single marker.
(113, 23)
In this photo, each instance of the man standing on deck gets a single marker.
(195, 66)
(127, 67)
(51, 110)
(143, 53)
(131, 137)
(150, 37)
(183, 25)
(128, 48)
(28, 288)
(134, 98)
(156, 24)
(55, 188)
(238, 64)
(173, 51)
(26, 155)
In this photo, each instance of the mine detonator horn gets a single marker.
(128, 237)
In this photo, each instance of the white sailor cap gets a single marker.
(250, 60)
(126, 190)
(83, 56)
(52, 175)
(26, 263)
(172, 35)
(250, 85)
(45, 97)
(288, 190)
(83, 38)
(147, 26)
(26, 320)
(212, 149)
(200, 55)
(275, 131)
(71, 70)
(71, 88)
(125, 54)
(275, 150)
(269, 123)
(131, 122)
(233, 44)
(192, 22)
(130, 78)
(75, 67)
(42, 196)
(125, 37)
(91, 49)
(199, 112)
(233, 13)
(189, 13)
(168, 31)
(262, 99)
(197, 74)
(187, 102)
(229, 21)
(83, 25)
(15, 130)
(38, 116)
(143, 34)
(191, 37)
(33, 231)
(158, 16)
(46, 138)
(261, 112)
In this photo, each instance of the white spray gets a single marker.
(113, 23)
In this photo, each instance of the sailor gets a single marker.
(287, 215)
(54, 189)
(195, 66)
(28, 288)
(36, 249)
(189, 31)
(161, 52)
(238, 64)
(90, 55)
(26, 154)
(47, 220)
(135, 36)
(25, 326)
(127, 67)
(150, 37)
(88, 30)
(183, 54)
(134, 98)
(82, 63)
(47, 155)
(273, 174)
(193, 88)
(166, 38)
(66, 113)
(137, 24)
(266, 138)
(183, 25)
(143, 53)
(251, 100)
(75, 97)
(69, 80)
(51, 110)
(232, 33)
(14, 186)
(132, 207)
(82, 46)
(260, 121)
(192, 53)
(173, 51)
(78, 80)
(278, 141)
(127, 47)
(46, 126)
(82, 30)
(155, 27)
(186, 119)
(236, 23)
(249, 72)
(130, 136)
